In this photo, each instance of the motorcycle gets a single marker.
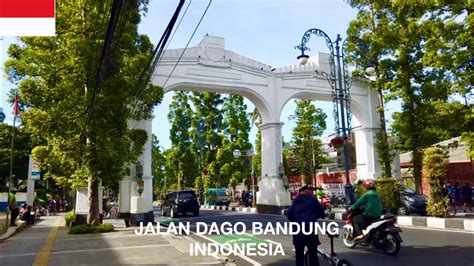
(381, 234)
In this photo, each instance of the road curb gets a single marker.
(413, 221)
(229, 208)
(13, 230)
(419, 221)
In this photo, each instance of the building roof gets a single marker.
(458, 151)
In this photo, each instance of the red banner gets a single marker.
(27, 8)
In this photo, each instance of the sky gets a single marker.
(264, 30)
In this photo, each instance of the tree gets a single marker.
(367, 47)
(181, 157)
(23, 145)
(256, 119)
(403, 67)
(310, 123)
(208, 111)
(83, 116)
(158, 165)
(236, 129)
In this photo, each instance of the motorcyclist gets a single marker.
(372, 209)
(320, 193)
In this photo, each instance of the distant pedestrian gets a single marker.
(304, 210)
(26, 215)
(456, 192)
(467, 196)
(12, 205)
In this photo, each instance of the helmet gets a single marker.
(368, 183)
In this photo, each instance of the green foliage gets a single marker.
(421, 53)
(434, 171)
(158, 164)
(23, 144)
(468, 138)
(70, 217)
(310, 123)
(383, 151)
(389, 192)
(56, 77)
(88, 229)
(181, 157)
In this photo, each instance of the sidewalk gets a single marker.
(48, 243)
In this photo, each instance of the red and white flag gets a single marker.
(27, 18)
(16, 108)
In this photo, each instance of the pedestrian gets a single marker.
(457, 193)
(26, 215)
(467, 196)
(12, 205)
(305, 210)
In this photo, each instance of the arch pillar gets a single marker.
(368, 165)
(271, 197)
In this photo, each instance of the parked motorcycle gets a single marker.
(381, 234)
(337, 201)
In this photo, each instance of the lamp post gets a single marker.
(340, 82)
(237, 154)
(139, 174)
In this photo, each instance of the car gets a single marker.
(411, 202)
(217, 196)
(180, 202)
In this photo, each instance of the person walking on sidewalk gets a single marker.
(467, 196)
(12, 205)
(373, 209)
(305, 210)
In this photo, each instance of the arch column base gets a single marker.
(272, 198)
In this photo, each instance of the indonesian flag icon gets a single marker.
(27, 18)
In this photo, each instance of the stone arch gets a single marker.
(260, 103)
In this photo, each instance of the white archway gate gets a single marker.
(208, 67)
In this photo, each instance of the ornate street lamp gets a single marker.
(340, 82)
(281, 170)
(139, 173)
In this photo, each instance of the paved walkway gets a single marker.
(48, 243)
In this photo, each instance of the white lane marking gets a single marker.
(18, 255)
(438, 229)
(421, 228)
(271, 241)
(241, 256)
(114, 248)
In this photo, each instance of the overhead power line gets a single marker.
(189, 41)
(150, 66)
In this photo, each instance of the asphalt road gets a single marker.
(420, 246)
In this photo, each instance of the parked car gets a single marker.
(411, 202)
(180, 202)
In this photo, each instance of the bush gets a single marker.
(434, 171)
(388, 190)
(87, 229)
(70, 217)
(80, 229)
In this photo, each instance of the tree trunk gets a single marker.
(93, 216)
(417, 170)
(385, 156)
